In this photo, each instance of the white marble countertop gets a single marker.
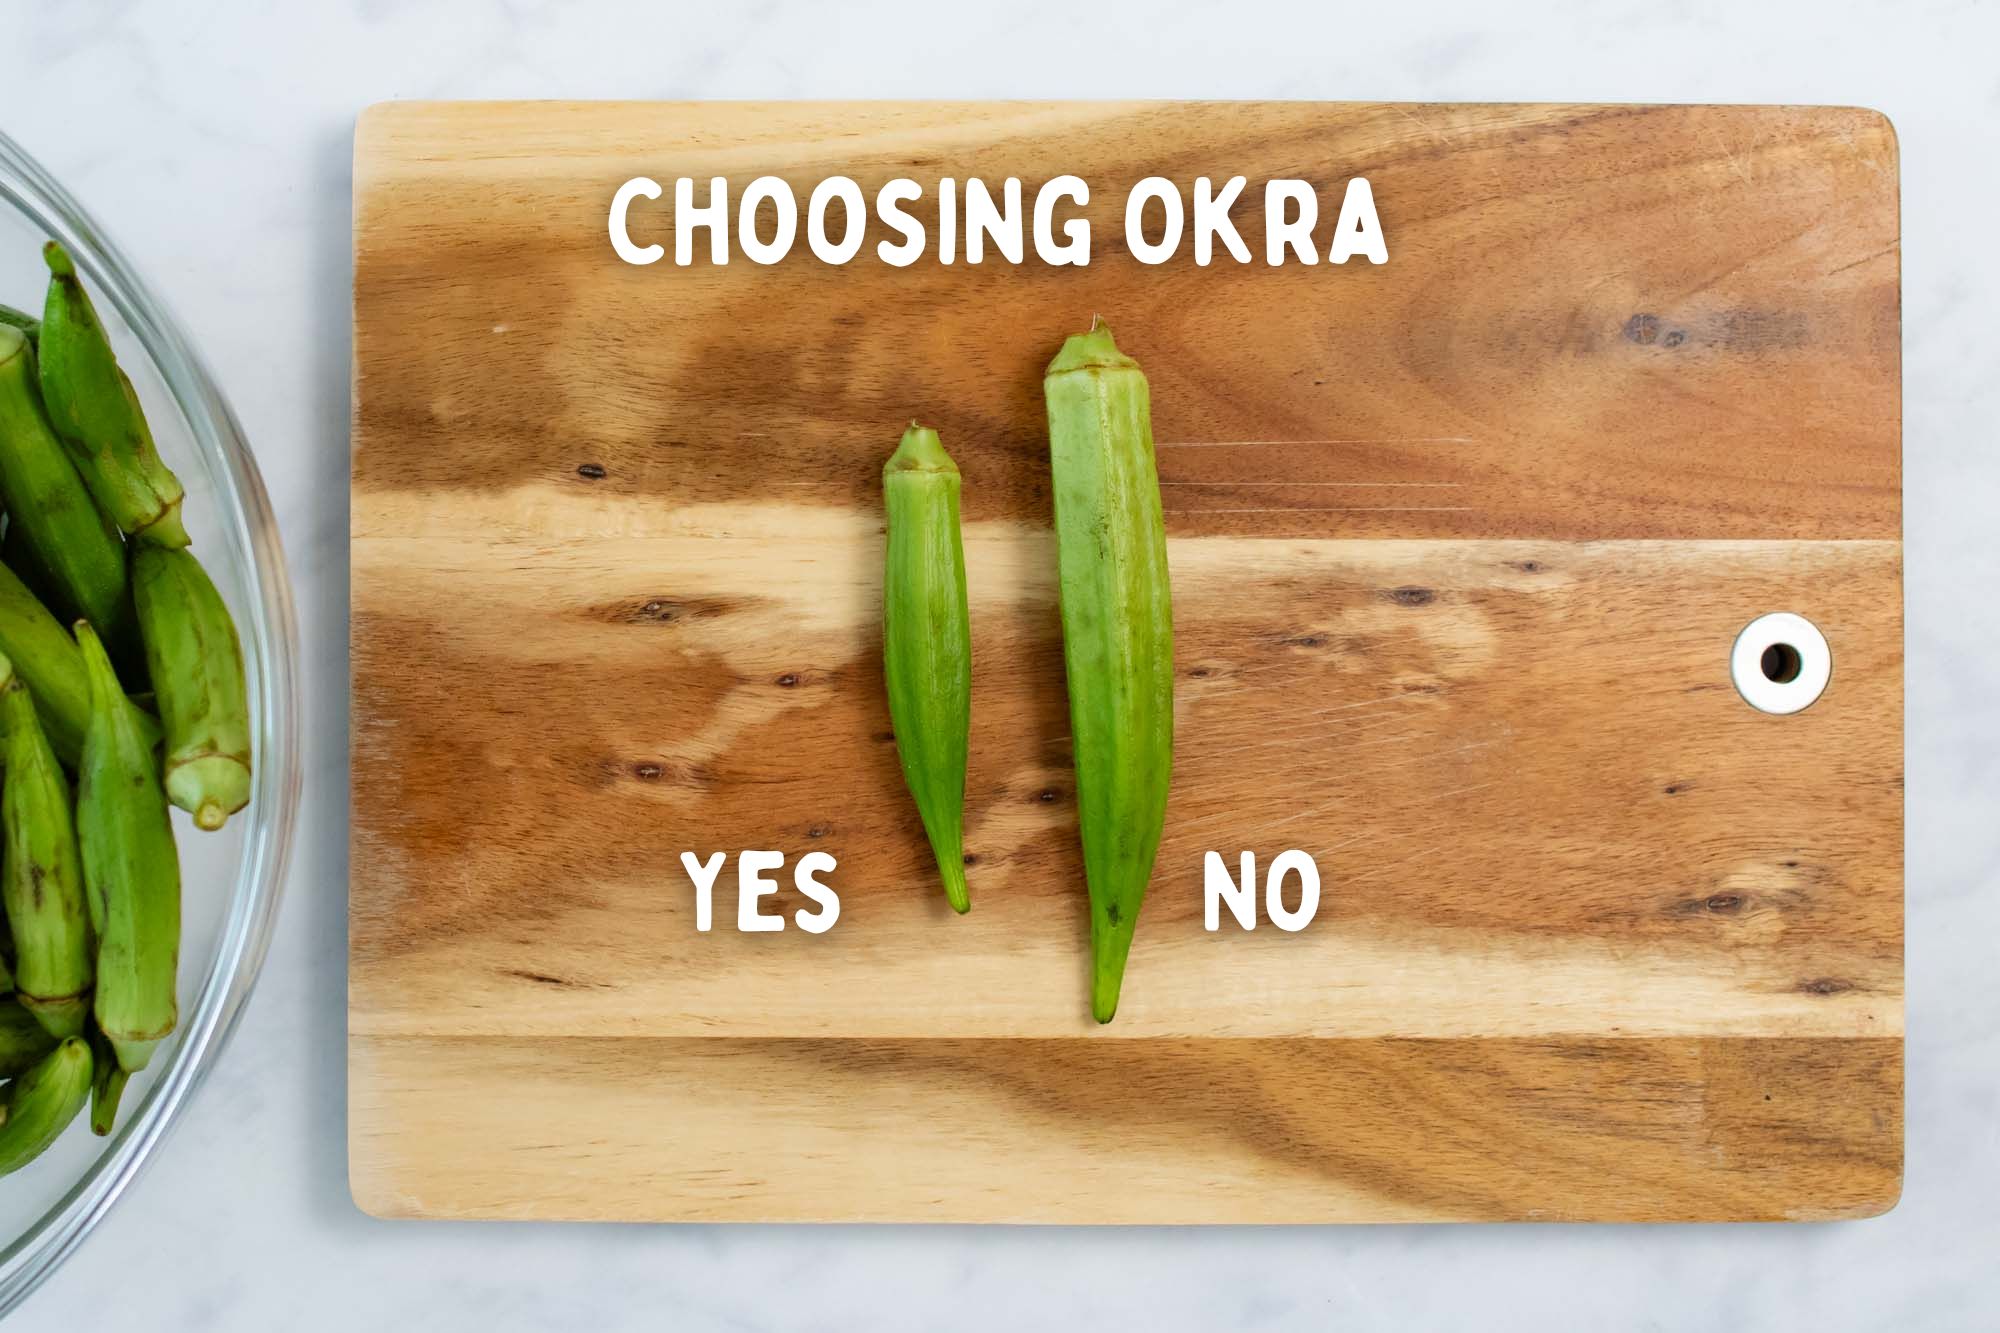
(213, 138)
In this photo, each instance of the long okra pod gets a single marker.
(196, 666)
(40, 1103)
(50, 515)
(41, 879)
(130, 868)
(1111, 553)
(93, 408)
(927, 644)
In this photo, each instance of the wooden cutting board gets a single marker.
(1459, 545)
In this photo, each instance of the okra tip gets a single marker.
(58, 260)
(1107, 974)
(106, 1087)
(1094, 350)
(96, 663)
(920, 451)
(955, 891)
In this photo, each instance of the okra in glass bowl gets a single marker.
(230, 878)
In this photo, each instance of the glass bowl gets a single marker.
(230, 879)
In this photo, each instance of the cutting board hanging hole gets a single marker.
(1780, 663)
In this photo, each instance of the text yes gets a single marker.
(753, 884)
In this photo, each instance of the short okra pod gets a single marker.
(195, 662)
(927, 644)
(94, 409)
(40, 1103)
(130, 868)
(53, 526)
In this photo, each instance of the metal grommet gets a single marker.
(1780, 663)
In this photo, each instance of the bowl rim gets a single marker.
(271, 640)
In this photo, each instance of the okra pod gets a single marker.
(196, 665)
(1117, 617)
(41, 1103)
(130, 868)
(93, 408)
(27, 566)
(22, 320)
(927, 644)
(44, 656)
(51, 518)
(41, 879)
(23, 1040)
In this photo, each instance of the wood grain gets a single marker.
(1459, 546)
(719, 1129)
